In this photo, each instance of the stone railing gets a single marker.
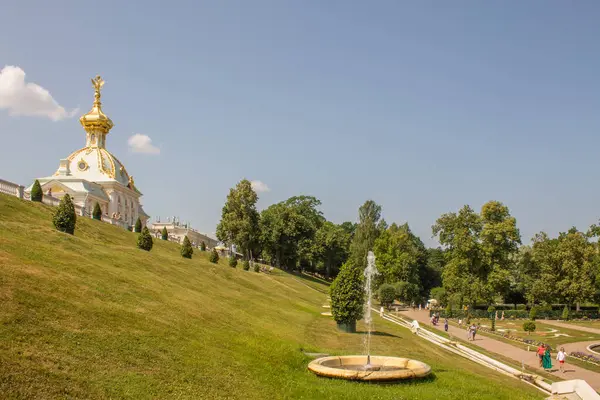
(16, 190)
(12, 189)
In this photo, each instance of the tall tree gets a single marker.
(500, 240)
(543, 266)
(400, 256)
(239, 223)
(367, 231)
(577, 275)
(288, 229)
(431, 273)
(331, 247)
(464, 276)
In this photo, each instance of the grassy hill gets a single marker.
(91, 316)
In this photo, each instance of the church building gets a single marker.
(93, 175)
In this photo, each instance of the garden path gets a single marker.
(528, 358)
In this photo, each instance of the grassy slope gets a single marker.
(91, 316)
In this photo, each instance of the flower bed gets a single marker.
(586, 357)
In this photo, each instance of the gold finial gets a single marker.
(97, 83)
(95, 121)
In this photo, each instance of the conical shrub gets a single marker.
(36, 191)
(144, 241)
(186, 248)
(64, 217)
(97, 213)
(214, 256)
(138, 225)
(164, 234)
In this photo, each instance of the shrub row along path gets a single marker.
(529, 358)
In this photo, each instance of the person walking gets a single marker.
(560, 357)
(446, 324)
(474, 331)
(540, 353)
(547, 359)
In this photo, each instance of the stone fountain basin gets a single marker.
(352, 368)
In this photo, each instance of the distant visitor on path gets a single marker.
(547, 359)
(560, 357)
(540, 353)
(446, 324)
(415, 327)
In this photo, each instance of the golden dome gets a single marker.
(96, 120)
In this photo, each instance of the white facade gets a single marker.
(93, 175)
(177, 232)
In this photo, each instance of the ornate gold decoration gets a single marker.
(82, 165)
(97, 83)
(96, 121)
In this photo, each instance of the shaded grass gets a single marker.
(91, 316)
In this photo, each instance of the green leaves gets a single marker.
(97, 213)
(64, 217)
(288, 230)
(138, 225)
(481, 248)
(214, 256)
(387, 294)
(367, 231)
(566, 267)
(347, 295)
(164, 234)
(144, 241)
(239, 223)
(186, 248)
(36, 191)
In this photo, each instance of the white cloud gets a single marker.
(139, 143)
(260, 187)
(26, 98)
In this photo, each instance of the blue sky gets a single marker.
(422, 106)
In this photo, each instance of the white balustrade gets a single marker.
(12, 189)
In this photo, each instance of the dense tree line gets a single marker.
(480, 261)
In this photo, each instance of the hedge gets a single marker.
(516, 314)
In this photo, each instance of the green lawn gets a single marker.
(591, 324)
(91, 316)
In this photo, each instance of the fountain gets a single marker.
(367, 367)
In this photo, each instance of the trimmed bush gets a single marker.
(97, 213)
(246, 265)
(138, 225)
(387, 295)
(144, 241)
(36, 191)
(202, 246)
(214, 256)
(533, 313)
(186, 248)
(521, 307)
(565, 313)
(347, 297)
(529, 326)
(492, 313)
(256, 267)
(64, 217)
(164, 234)
(232, 261)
